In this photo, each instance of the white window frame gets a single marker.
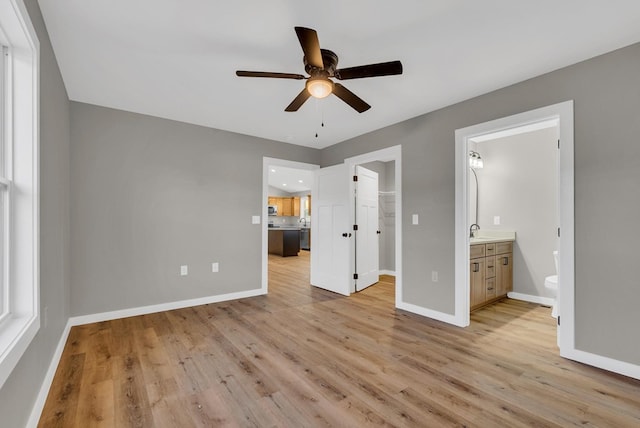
(20, 279)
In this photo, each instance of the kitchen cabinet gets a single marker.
(491, 272)
(287, 206)
(284, 242)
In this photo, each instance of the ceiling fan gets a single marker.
(321, 64)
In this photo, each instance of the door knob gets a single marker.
(378, 232)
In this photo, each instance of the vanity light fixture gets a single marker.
(475, 161)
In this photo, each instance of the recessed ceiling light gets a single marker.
(300, 181)
(273, 170)
(284, 184)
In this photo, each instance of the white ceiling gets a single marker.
(290, 180)
(176, 59)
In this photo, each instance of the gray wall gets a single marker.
(149, 195)
(20, 390)
(606, 98)
(519, 184)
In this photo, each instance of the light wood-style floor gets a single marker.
(303, 357)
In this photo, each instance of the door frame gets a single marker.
(563, 112)
(266, 163)
(389, 154)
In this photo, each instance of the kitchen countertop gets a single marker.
(288, 228)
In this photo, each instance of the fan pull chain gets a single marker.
(321, 117)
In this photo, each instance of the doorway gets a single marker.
(562, 114)
(391, 154)
(289, 186)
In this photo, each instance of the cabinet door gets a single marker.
(504, 274)
(296, 207)
(280, 205)
(477, 277)
(287, 207)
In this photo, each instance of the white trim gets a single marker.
(429, 313)
(41, 399)
(563, 112)
(393, 153)
(144, 310)
(266, 162)
(22, 124)
(605, 363)
(546, 301)
(387, 272)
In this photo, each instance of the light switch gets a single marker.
(496, 220)
(215, 267)
(184, 270)
(255, 219)
(414, 219)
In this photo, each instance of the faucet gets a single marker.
(472, 231)
(302, 219)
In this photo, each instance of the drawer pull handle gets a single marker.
(491, 288)
(476, 267)
(505, 261)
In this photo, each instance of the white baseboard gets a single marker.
(606, 363)
(546, 301)
(387, 272)
(143, 310)
(41, 399)
(429, 313)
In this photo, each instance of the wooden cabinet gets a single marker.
(287, 206)
(477, 269)
(491, 272)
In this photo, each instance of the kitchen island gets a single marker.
(284, 241)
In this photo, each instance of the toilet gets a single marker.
(551, 282)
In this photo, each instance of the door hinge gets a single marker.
(355, 227)
(355, 178)
(558, 232)
(355, 276)
(558, 143)
(558, 319)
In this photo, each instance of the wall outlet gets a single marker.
(255, 219)
(184, 270)
(215, 267)
(434, 276)
(414, 219)
(496, 220)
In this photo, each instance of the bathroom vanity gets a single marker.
(491, 270)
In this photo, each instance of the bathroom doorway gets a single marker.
(555, 122)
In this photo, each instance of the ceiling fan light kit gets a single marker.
(319, 87)
(321, 65)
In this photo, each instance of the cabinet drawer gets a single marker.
(490, 288)
(476, 251)
(490, 249)
(504, 247)
(490, 267)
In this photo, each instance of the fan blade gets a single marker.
(243, 73)
(310, 46)
(298, 101)
(371, 70)
(350, 98)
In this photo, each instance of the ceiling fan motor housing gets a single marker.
(330, 62)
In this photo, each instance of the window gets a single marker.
(19, 215)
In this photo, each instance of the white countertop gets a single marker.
(489, 236)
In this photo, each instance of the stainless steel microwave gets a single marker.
(273, 209)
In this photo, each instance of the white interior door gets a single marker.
(367, 249)
(330, 231)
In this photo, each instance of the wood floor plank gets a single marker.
(303, 356)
